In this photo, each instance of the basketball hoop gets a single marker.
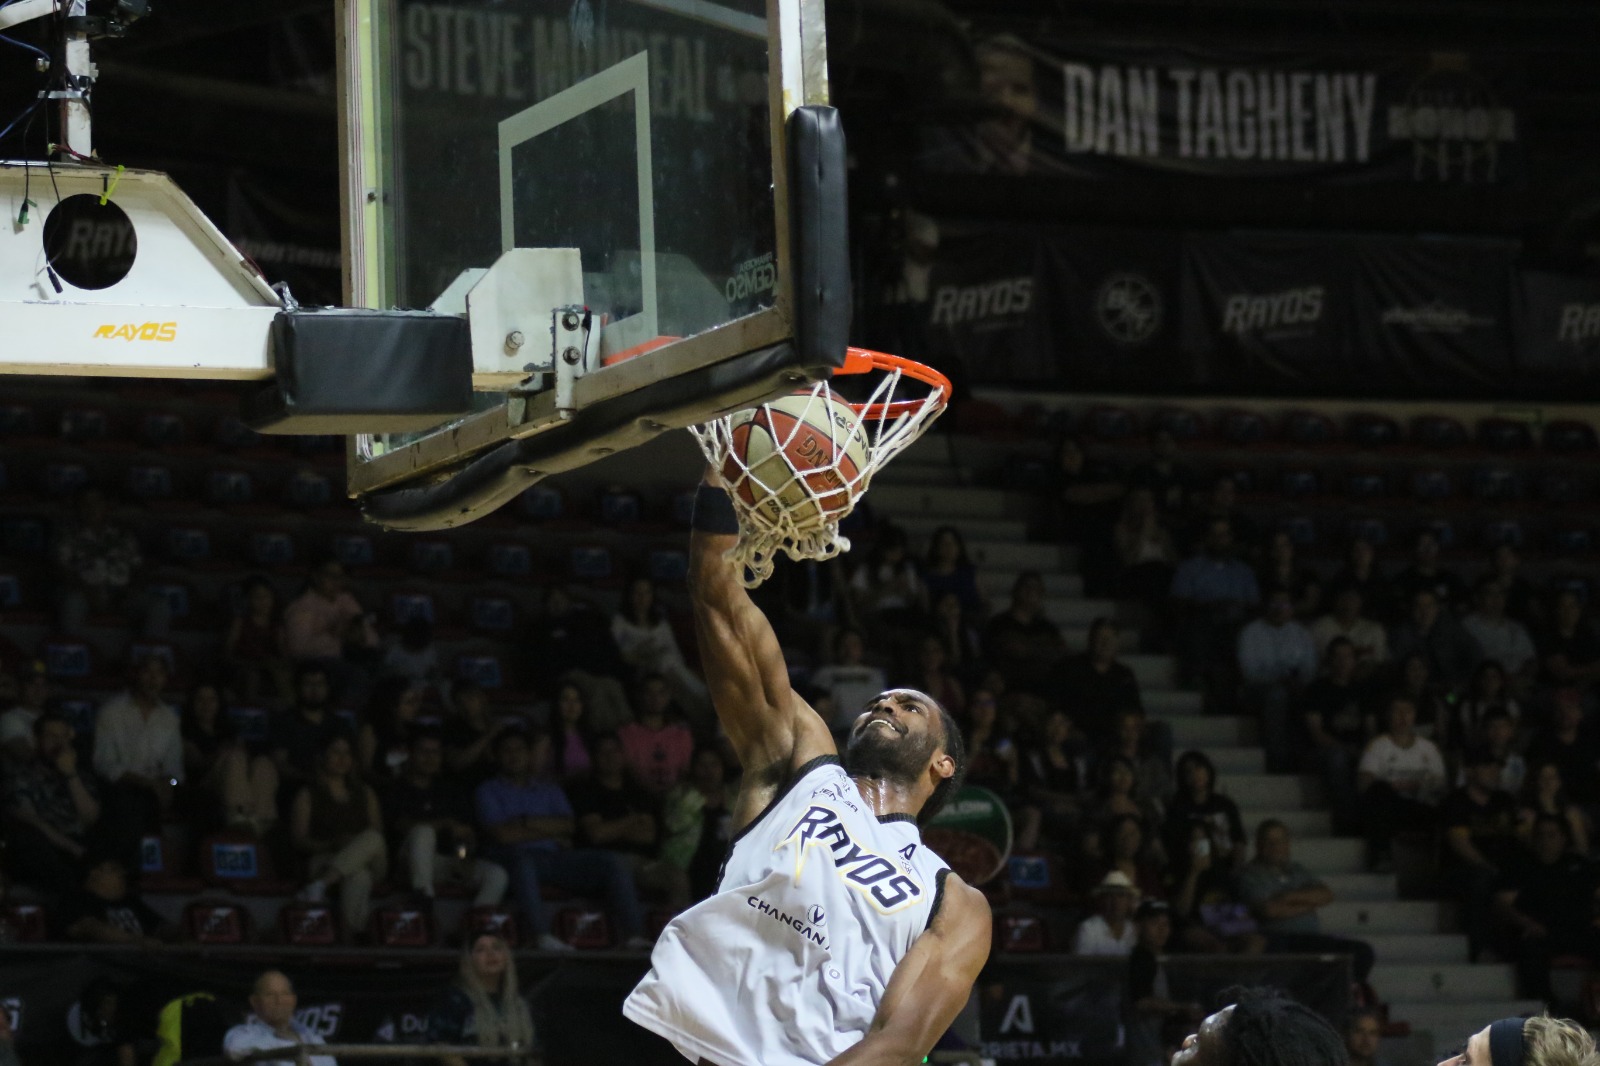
(793, 498)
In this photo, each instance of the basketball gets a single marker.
(799, 455)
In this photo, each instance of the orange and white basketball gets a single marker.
(816, 440)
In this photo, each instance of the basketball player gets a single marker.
(835, 936)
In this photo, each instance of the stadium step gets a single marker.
(912, 471)
(1235, 760)
(1360, 918)
(1332, 855)
(1275, 791)
(1445, 982)
(1417, 948)
(1152, 671)
(1369, 888)
(1170, 702)
(1452, 1023)
(920, 526)
(1076, 611)
(952, 503)
(1218, 732)
(996, 582)
(1303, 824)
(1011, 555)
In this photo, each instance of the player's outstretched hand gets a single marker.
(713, 477)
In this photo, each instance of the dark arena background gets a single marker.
(1257, 553)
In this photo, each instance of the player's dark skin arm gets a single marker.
(772, 730)
(931, 984)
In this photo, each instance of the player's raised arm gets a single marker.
(930, 985)
(771, 728)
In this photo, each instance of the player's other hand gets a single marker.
(713, 477)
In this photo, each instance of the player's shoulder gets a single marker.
(960, 903)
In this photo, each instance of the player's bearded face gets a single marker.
(899, 749)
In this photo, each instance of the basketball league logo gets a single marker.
(1129, 309)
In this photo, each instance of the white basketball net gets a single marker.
(791, 516)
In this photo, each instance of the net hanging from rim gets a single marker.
(792, 499)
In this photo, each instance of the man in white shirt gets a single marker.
(1400, 779)
(16, 725)
(138, 748)
(271, 1024)
(1110, 931)
(1346, 620)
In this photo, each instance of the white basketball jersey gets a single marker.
(785, 965)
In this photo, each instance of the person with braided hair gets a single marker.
(1264, 1027)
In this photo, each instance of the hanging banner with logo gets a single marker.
(1433, 317)
(1071, 109)
(1267, 311)
(1558, 327)
(1113, 298)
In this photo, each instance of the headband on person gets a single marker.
(1506, 1042)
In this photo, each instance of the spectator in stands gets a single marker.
(240, 784)
(579, 638)
(1094, 683)
(1400, 778)
(1549, 904)
(430, 828)
(1505, 566)
(1480, 838)
(1348, 620)
(1277, 660)
(1500, 637)
(1021, 643)
(1284, 897)
(1571, 744)
(1335, 707)
(252, 649)
(1282, 569)
(1497, 735)
(616, 814)
(1544, 794)
(650, 648)
(948, 569)
(1264, 1028)
(658, 748)
(1118, 795)
(94, 1025)
(1426, 575)
(414, 656)
(1049, 780)
(1362, 573)
(1164, 475)
(105, 909)
(571, 743)
(1363, 1036)
(8, 1049)
(1569, 649)
(336, 825)
(271, 1024)
(1487, 694)
(1434, 632)
(383, 743)
(298, 738)
(55, 817)
(1149, 748)
(992, 756)
(326, 625)
(1110, 930)
(1220, 503)
(16, 724)
(1148, 992)
(696, 817)
(1130, 851)
(1212, 592)
(469, 734)
(932, 675)
(1146, 555)
(849, 678)
(1197, 802)
(889, 595)
(99, 564)
(962, 642)
(484, 1006)
(1417, 682)
(1085, 493)
(531, 823)
(1208, 918)
(138, 744)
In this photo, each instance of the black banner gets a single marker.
(1034, 1009)
(1067, 108)
(1558, 325)
(1114, 301)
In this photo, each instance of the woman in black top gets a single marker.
(1197, 803)
(1050, 783)
(484, 1006)
(391, 718)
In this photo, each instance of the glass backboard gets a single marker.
(647, 134)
